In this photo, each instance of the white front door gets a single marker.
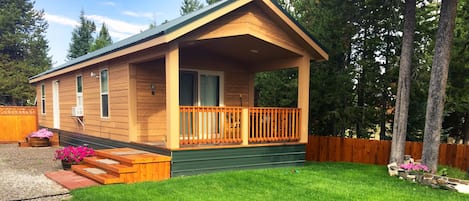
(55, 103)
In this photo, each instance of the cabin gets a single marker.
(185, 89)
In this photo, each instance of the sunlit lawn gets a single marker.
(314, 181)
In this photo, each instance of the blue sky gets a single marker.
(123, 19)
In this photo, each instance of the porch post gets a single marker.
(245, 126)
(172, 96)
(134, 132)
(303, 96)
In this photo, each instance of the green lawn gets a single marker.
(315, 181)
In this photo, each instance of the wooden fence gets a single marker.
(335, 149)
(16, 123)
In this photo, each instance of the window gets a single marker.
(79, 91)
(43, 99)
(104, 93)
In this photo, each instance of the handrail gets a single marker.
(210, 125)
(274, 124)
(223, 125)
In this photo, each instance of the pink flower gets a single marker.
(415, 167)
(73, 154)
(42, 133)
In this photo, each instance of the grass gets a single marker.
(314, 181)
(453, 172)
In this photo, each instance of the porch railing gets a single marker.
(210, 125)
(274, 124)
(235, 125)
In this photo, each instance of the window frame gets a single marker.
(78, 93)
(43, 98)
(106, 93)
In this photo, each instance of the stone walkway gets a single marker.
(22, 174)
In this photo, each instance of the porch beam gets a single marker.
(134, 132)
(172, 96)
(303, 96)
(277, 64)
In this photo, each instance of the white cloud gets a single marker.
(118, 29)
(108, 3)
(60, 20)
(147, 15)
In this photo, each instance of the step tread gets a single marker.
(131, 156)
(105, 178)
(117, 168)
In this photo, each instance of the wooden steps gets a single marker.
(124, 165)
(100, 178)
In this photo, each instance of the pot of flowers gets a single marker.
(40, 138)
(72, 155)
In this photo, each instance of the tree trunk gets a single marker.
(438, 80)
(403, 86)
(465, 128)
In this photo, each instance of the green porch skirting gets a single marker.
(198, 161)
(190, 162)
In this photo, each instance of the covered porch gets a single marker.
(213, 104)
(203, 83)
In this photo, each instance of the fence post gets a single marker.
(245, 126)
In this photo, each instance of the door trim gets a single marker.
(55, 104)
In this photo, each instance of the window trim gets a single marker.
(43, 98)
(106, 93)
(78, 94)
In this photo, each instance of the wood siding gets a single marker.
(114, 127)
(236, 76)
(151, 108)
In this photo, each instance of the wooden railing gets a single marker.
(274, 124)
(226, 125)
(210, 125)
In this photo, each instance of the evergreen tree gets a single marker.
(23, 50)
(456, 122)
(403, 91)
(210, 2)
(190, 6)
(82, 38)
(102, 40)
(438, 81)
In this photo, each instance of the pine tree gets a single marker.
(189, 6)
(23, 50)
(82, 38)
(456, 122)
(210, 2)
(102, 40)
(403, 91)
(438, 81)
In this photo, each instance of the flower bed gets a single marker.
(419, 173)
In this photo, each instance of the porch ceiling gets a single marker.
(244, 49)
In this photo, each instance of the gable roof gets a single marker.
(163, 30)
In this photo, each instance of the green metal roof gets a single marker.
(157, 32)
(142, 37)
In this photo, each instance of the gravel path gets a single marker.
(22, 174)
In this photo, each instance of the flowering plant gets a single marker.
(420, 168)
(42, 133)
(73, 154)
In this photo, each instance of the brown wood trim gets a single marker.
(202, 147)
